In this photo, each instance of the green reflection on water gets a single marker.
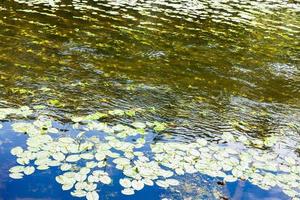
(208, 67)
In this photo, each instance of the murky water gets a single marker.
(203, 67)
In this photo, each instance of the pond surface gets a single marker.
(208, 70)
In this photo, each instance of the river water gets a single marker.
(205, 68)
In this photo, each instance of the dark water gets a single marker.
(204, 67)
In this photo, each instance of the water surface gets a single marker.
(203, 67)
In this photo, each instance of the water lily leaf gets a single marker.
(172, 182)
(121, 161)
(230, 178)
(96, 116)
(39, 107)
(100, 156)
(130, 113)
(201, 142)
(138, 125)
(179, 171)
(52, 130)
(16, 175)
(16, 151)
(116, 112)
(80, 185)
(59, 156)
(101, 164)
(226, 167)
(290, 160)
(55, 102)
(92, 179)
(92, 196)
(105, 179)
(42, 167)
(87, 156)
(148, 182)
(290, 192)
(80, 177)
(17, 169)
(194, 152)
(243, 139)
(237, 172)
(65, 167)
(228, 137)
(79, 193)
(158, 127)
(23, 161)
(113, 155)
(84, 171)
(137, 185)
(129, 155)
(270, 141)
(91, 187)
(77, 119)
(125, 182)
(162, 183)
(73, 158)
(119, 128)
(60, 179)
(91, 164)
(167, 174)
(128, 191)
(67, 187)
(29, 170)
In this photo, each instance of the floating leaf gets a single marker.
(137, 185)
(228, 137)
(59, 156)
(230, 178)
(201, 142)
(158, 127)
(138, 125)
(130, 113)
(100, 156)
(125, 182)
(194, 152)
(67, 187)
(55, 102)
(42, 167)
(17, 169)
(105, 179)
(73, 158)
(172, 182)
(87, 156)
(92, 195)
(16, 175)
(29, 170)
(79, 193)
(116, 112)
(39, 107)
(290, 160)
(162, 183)
(128, 191)
(148, 182)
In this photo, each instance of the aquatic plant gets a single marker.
(83, 160)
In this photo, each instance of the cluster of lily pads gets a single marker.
(23, 111)
(83, 160)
